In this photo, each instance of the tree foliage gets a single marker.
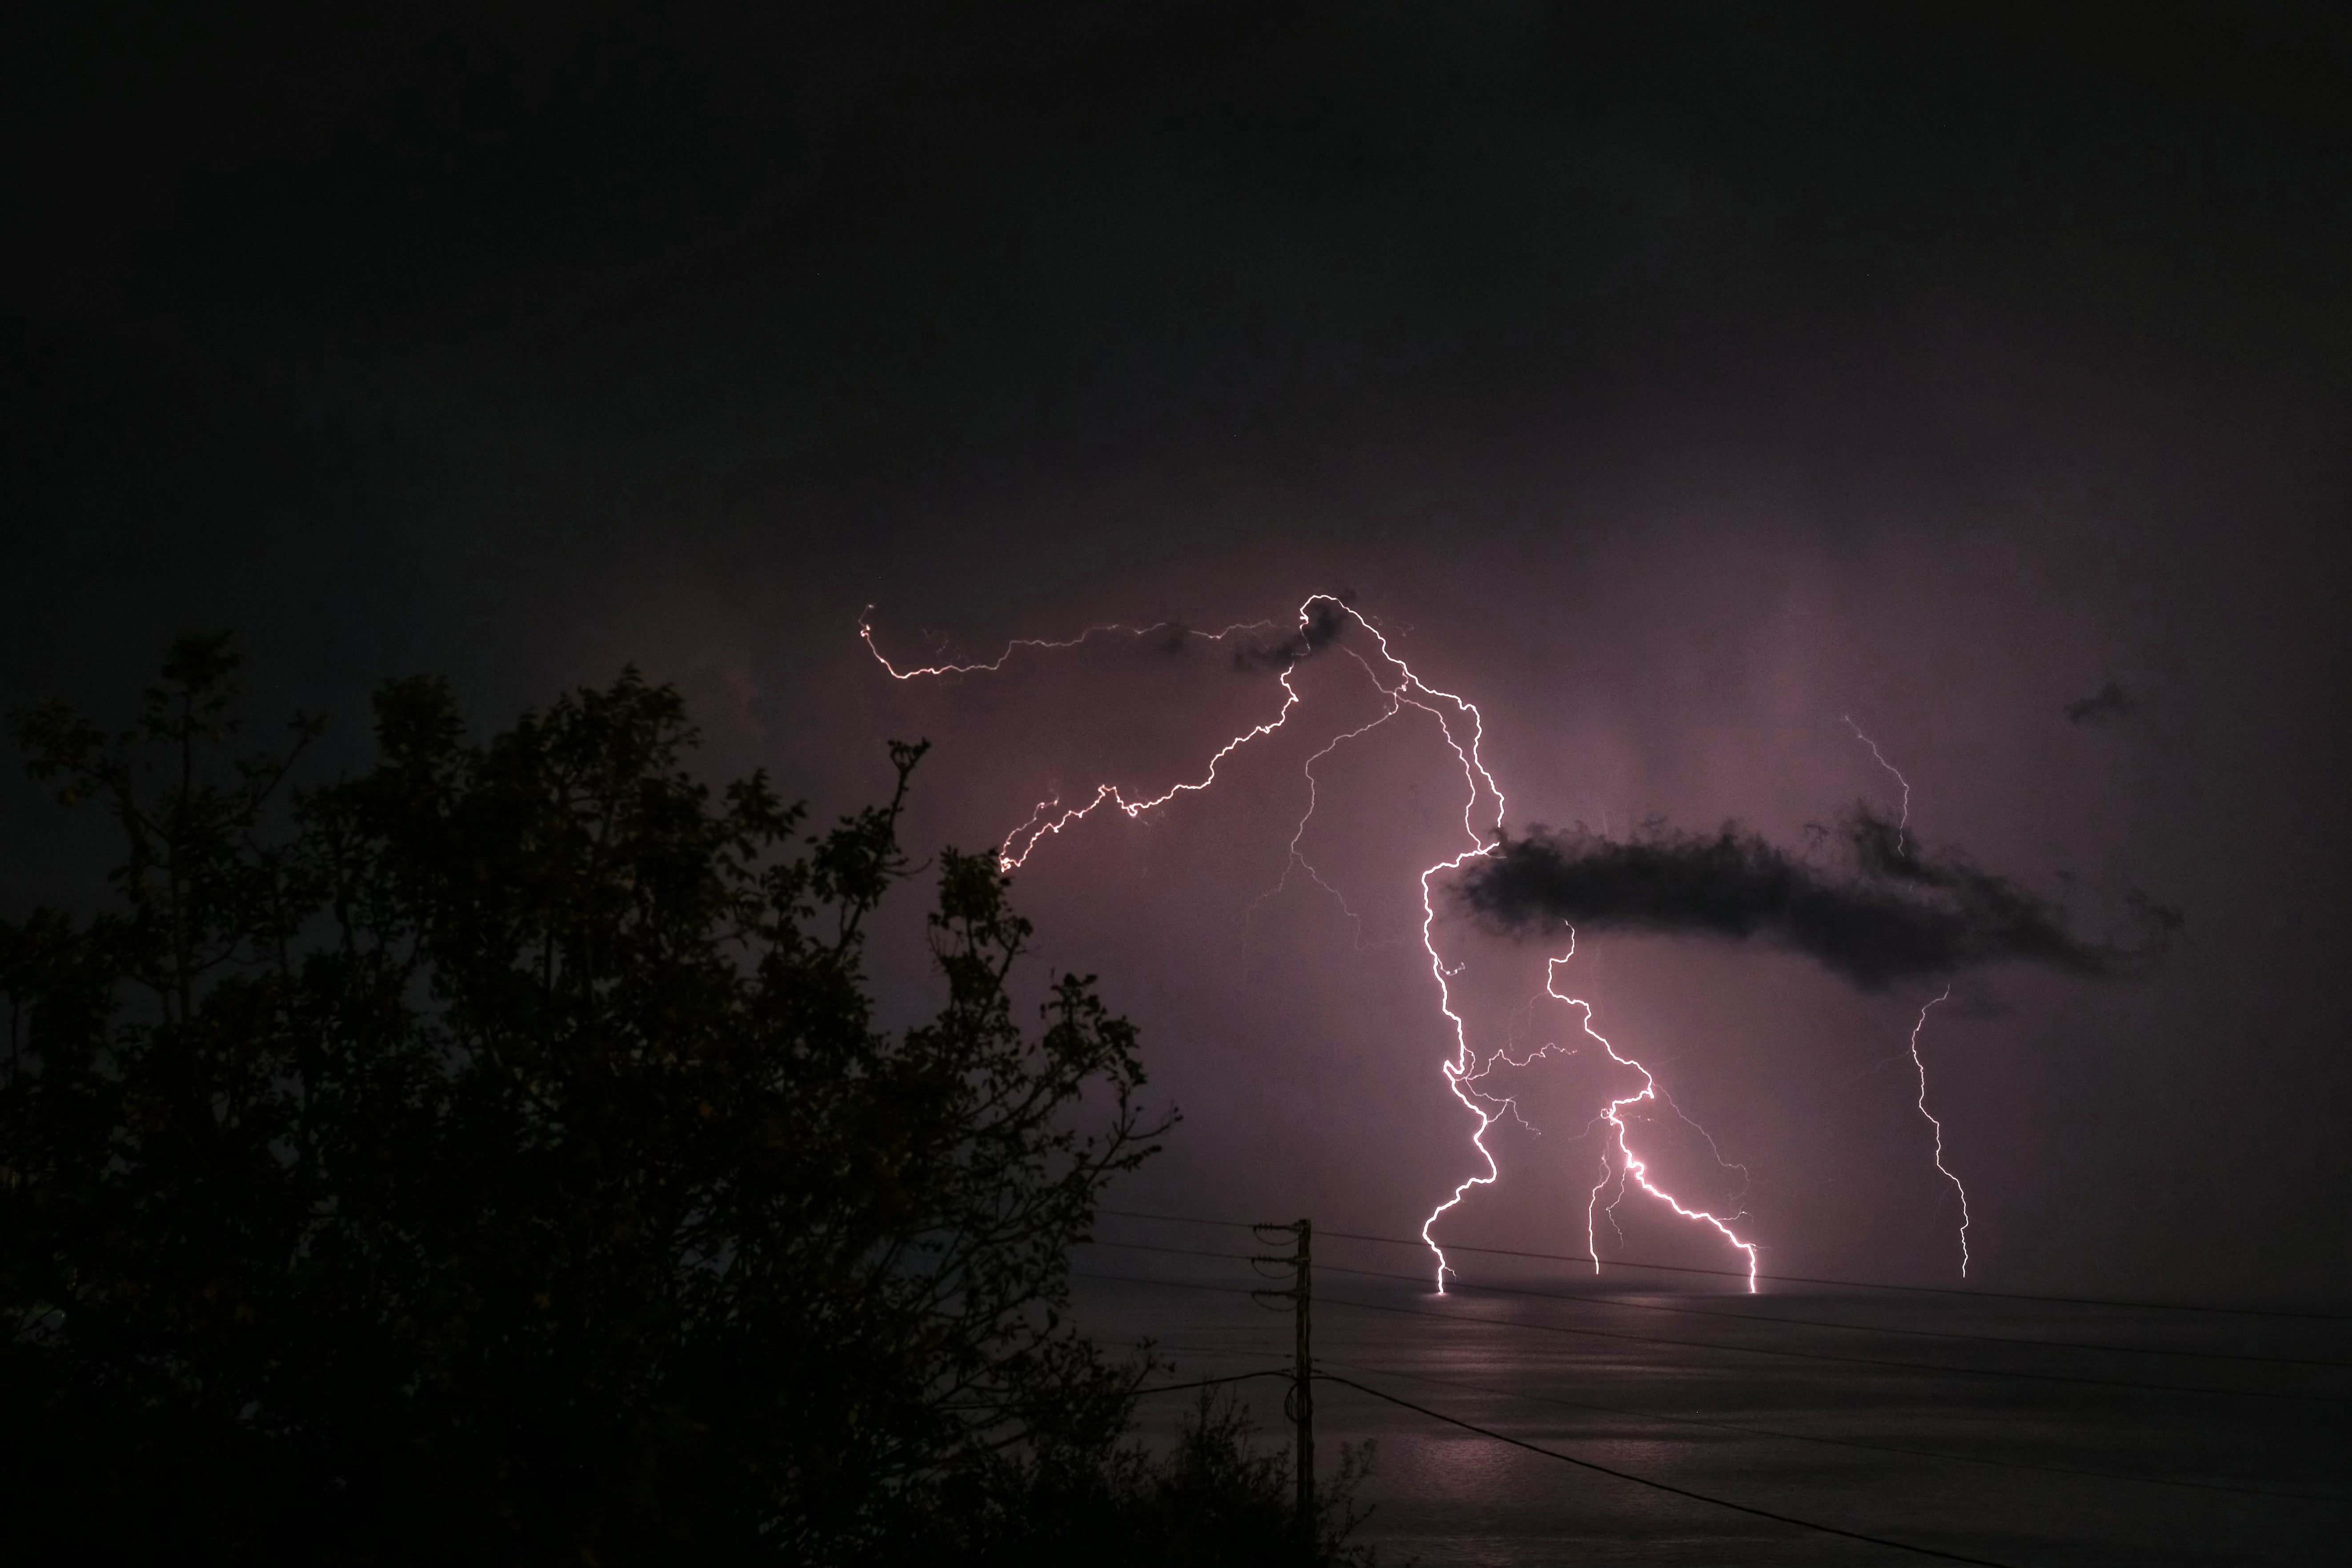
(1212, 1499)
(496, 1153)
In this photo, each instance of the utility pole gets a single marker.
(1300, 1404)
(1302, 1388)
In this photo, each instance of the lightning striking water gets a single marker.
(1918, 1061)
(1400, 689)
(1631, 1165)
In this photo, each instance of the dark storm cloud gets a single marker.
(1326, 620)
(1893, 914)
(2108, 705)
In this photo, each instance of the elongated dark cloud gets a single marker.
(1889, 913)
(2108, 705)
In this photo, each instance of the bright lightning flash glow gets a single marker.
(1401, 689)
(1631, 1165)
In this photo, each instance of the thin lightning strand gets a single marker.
(1903, 821)
(1919, 1062)
(866, 635)
(1296, 857)
(1405, 690)
(1502, 1058)
(1041, 825)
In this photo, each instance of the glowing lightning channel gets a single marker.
(1041, 825)
(1631, 1165)
(1920, 1063)
(1403, 688)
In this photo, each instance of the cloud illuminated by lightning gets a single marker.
(1463, 729)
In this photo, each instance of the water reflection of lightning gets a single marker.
(1400, 689)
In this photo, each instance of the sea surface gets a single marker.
(2012, 1432)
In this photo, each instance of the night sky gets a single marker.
(1688, 389)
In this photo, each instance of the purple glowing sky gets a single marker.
(1675, 389)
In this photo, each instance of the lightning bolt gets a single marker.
(1294, 858)
(1918, 1061)
(866, 635)
(1630, 1166)
(1463, 729)
(1903, 821)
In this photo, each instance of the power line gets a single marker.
(1724, 1425)
(1840, 1442)
(1793, 1322)
(1736, 1317)
(1659, 1486)
(1785, 1278)
(1211, 1381)
(1854, 1360)
(1754, 1349)
(1584, 1464)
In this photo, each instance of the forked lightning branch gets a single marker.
(1320, 620)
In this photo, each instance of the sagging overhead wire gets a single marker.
(2026, 1465)
(1282, 1371)
(1777, 1518)
(1417, 1244)
(1773, 1319)
(1585, 1464)
(2023, 1465)
(1928, 1367)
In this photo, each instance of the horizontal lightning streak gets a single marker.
(866, 635)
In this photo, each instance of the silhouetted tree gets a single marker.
(495, 1154)
(1213, 1500)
